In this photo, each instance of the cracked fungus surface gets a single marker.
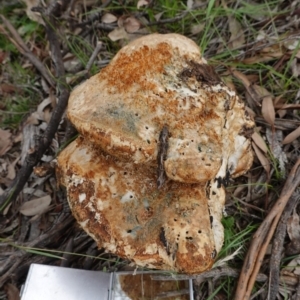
(158, 83)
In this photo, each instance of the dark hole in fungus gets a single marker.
(214, 253)
(199, 231)
(148, 141)
(214, 193)
(163, 239)
(129, 231)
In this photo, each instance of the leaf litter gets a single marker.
(259, 59)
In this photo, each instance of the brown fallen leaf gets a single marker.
(47, 115)
(250, 112)
(293, 230)
(259, 141)
(268, 110)
(7, 88)
(262, 158)
(250, 88)
(237, 38)
(260, 58)
(131, 24)
(11, 172)
(293, 227)
(158, 16)
(7, 208)
(3, 56)
(35, 206)
(266, 54)
(287, 106)
(118, 34)
(260, 92)
(292, 136)
(295, 66)
(33, 119)
(108, 18)
(42, 107)
(197, 28)
(34, 16)
(12, 292)
(274, 139)
(253, 77)
(237, 74)
(279, 102)
(142, 3)
(293, 267)
(5, 141)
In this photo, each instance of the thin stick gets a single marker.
(287, 106)
(264, 233)
(93, 56)
(277, 247)
(161, 156)
(33, 158)
(260, 257)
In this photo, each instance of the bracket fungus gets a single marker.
(160, 135)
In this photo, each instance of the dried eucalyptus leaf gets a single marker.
(35, 206)
(275, 142)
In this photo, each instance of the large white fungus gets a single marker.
(160, 135)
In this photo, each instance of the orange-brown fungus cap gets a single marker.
(157, 84)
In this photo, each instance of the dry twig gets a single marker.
(45, 141)
(263, 235)
(277, 247)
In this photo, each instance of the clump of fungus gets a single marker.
(160, 135)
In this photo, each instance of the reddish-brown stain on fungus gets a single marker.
(132, 69)
(156, 84)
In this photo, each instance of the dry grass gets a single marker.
(254, 46)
